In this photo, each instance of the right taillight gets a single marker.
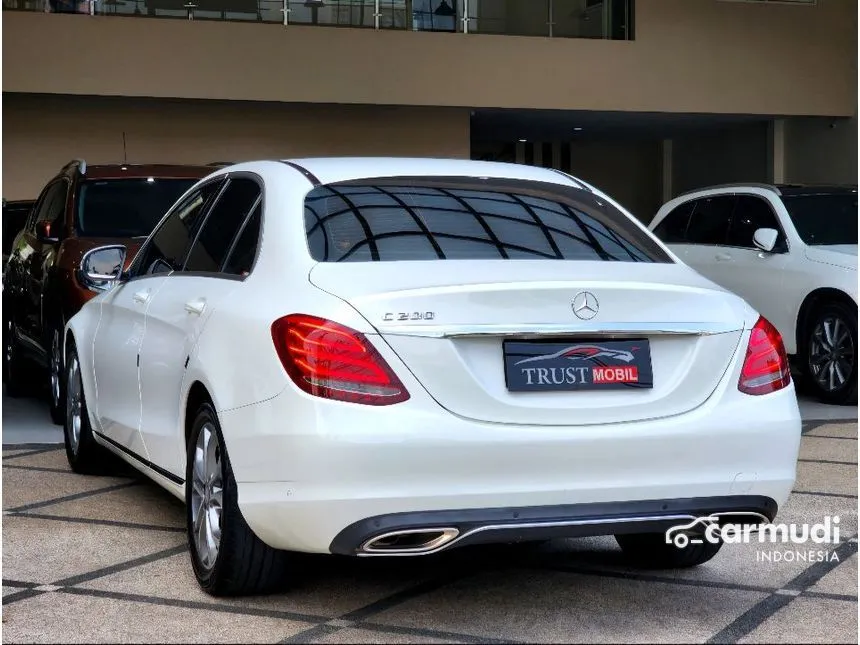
(329, 360)
(766, 366)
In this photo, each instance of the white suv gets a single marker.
(791, 253)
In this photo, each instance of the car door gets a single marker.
(179, 312)
(41, 254)
(761, 278)
(16, 283)
(703, 243)
(122, 327)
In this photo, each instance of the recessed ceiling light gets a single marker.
(577, 129)
(523, 140)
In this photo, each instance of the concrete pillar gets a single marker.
(776, 151)
(668, 170)
(538, 153)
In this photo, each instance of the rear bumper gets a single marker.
(493, 525)
(308, 471)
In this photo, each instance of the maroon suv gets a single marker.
(80, 208)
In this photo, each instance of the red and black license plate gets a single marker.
(539, 366)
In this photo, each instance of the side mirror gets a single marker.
(44, 234)
(765, 239)
(101, 268)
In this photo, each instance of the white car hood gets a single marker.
(840, 255)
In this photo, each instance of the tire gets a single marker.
(57, 382)
(830, 354)
(240, 563)
(17, 371)
(650, 550)
(85, 456)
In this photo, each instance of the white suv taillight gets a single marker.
(332, 361)
(765, 368)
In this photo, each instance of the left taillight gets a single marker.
(332, 361)
(766, 367)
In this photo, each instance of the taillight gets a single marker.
(332, 361)
(766, 366)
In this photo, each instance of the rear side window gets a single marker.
(244, 251)
(709, 223)
(751, 213)
(468, 219)
(223, 223)
(673, 228)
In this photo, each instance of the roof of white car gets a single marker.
(326, 170)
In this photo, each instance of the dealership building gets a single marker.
(644, 98)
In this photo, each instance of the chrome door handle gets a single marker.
(723, 257)
(195, 306)
(142, 297)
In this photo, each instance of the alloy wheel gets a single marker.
(831, 353)
(74, 405)
(207, 489)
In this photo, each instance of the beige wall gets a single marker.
(688, 56)
(819, 151)
(41, 134)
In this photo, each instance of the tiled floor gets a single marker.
(103, 560)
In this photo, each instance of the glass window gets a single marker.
(393, 14)
(468, 219)
(244, 251)
(673, 228)
(710, 221)
(434, 15)
(125, 207)
(345, 13)
(53, 205)
(165, 250)
(751, 213)
(824, 219)
(510, 17)
(222, 225)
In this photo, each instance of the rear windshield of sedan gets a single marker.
(126, 207)
(469, 219)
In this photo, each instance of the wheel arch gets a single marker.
(813, 300)
(198, 394)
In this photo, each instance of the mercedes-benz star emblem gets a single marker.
(585, 305)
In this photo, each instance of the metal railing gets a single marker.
(547, 18)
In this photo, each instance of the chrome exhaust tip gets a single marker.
(411, 541)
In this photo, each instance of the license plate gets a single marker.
(581, 365)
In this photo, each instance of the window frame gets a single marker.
(689, 203)
(35, 216)
(134, 267)
(782, 244)
(257, 179)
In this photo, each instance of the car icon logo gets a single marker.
(585, 305)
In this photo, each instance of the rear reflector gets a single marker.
(332, 361)
(766, 366)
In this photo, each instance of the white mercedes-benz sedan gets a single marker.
(395, 357)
